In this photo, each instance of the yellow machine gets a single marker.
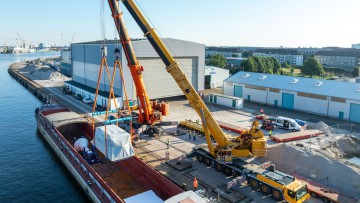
(222, 154)
(250, 142)
(280, 185)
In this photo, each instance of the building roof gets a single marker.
(134, 40)
(333, 88)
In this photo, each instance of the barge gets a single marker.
(101, 179)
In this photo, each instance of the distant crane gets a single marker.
(22, 40)
(72, 39)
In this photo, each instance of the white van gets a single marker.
(286, 123)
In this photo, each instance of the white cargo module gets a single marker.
(117, 142)
(226, 100)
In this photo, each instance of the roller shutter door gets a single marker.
(159, 83)
(287, 101)
(238, 91)
(355, 112)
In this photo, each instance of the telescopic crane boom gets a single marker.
(236, 146)
(146, 112)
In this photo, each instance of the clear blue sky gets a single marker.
(289, 23)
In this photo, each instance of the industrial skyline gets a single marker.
(214, 23)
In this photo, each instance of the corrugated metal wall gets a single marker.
(159, 83)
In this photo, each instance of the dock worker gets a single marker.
(195, 183)
(190, 135)
(261, 111)
(167, 143)
(270, 133)
(194, 136)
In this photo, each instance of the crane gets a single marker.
(147, 114)
(251, 141)
(22, 40)
(269, 181)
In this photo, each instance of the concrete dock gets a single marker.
(154, 151)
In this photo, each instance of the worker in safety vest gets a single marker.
(270, 133)
(167, 143)
(195, 183)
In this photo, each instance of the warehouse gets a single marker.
(86, 59)
(214, 76)
(324, 97)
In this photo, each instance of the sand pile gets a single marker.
(347, 146)
(291, 159)
(43, 72)
(320, 126)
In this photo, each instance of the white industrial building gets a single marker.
(324, 97)
(214, 76)
(159, 83)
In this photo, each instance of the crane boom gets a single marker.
(146, 113)
(209, 123)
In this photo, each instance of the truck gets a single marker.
(326, 194)
(225, 154)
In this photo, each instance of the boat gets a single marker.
(126, 179)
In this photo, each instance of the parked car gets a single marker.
(78, 97)
(100, 108)
(87, 101)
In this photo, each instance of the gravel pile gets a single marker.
(291, 159)
(347, 145)
(320, 126)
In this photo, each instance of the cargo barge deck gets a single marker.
(104, 181)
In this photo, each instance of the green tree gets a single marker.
(312, 67)
(234, 55)
(250, 65)
(246, 54)
(277, 65)
(355, 72)
(217, 60)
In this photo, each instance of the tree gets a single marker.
(355, 72)
(217, 60)
(312, 67)
(234, 55)
(277, 65)
(246, 54)
(250, 65)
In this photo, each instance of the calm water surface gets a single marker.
(29, 170)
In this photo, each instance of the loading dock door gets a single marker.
(287, 101)
(355, 112)
(238, 91)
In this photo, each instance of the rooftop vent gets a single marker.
(262, 77)
(294, 80)
(245, 75)
(318, 83)
(357, 89)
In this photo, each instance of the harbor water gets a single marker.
(29, 170)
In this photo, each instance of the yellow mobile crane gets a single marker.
(223, 155)
(251, 142)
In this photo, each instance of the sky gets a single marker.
(266, 23)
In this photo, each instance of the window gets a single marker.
(303, 94)
(274, 90)
(317, 96)
(338, 99)
(309, 95)
(255, 87)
